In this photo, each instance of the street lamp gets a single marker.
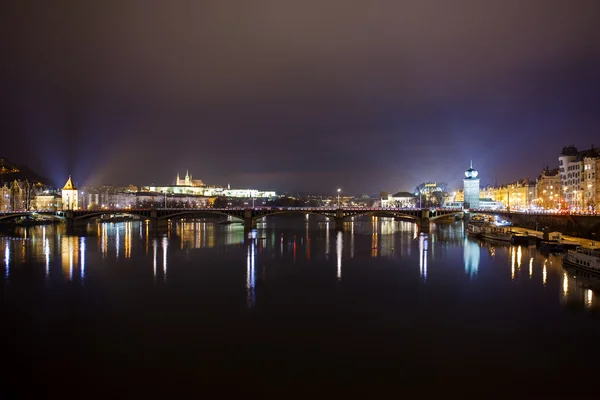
(338, 192)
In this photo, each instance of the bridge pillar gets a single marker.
(339, 220)
(424, 221)
(156, 223)
(249, 223)
(73, 225)
(424, 225)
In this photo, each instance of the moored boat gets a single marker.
(586, 258)
(499, 233)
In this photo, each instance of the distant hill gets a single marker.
(9, 172)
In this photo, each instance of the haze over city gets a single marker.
(311, 96)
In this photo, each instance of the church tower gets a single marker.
(187, 178)
(471, 188)
(69, 196)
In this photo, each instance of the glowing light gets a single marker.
(352, 240)
(519, 257)
(250, 273)
(589, 295)
(117, 241)
(47, 256)
(82, 256)
(565, 283)
(512, 262)
(339, 246)
(544, 275)
(530, 267)
(155, 250)
(471, 256)
(165, 244)
(7, 258)
(70, 261)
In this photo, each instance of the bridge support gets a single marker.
(339, 220)
(249, 222)
(73, 225)
(424, 221)
(156, 223)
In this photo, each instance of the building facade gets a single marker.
(548, 189)
(575, 177)
(471, 188)
(70, 196)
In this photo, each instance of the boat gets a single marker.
(499, 233)
(522, 238)
(554, 242)
(477, 225)
(583, 257)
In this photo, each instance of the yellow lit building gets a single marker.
(70, 198)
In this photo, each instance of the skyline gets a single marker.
(278, 96)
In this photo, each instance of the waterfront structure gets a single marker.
(70, 196)
(518, 195)
(591, 183)
(18, 195)
(471, 188)
(47, 202)
(398, 200)
(548, 189)
(575, 177)
(431, 193)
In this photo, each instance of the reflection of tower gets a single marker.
(471, 188)
(339, 246)
(251, 272)
(471, 257)
(69, 252)
(423, 255)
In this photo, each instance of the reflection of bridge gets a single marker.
(160, 216)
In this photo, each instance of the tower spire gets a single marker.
(471, 166)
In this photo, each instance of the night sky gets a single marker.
(305, 95)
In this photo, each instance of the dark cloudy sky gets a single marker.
(304, 95)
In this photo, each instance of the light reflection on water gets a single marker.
(67, 258)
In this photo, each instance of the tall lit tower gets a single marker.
(69, 196)
(471, 188)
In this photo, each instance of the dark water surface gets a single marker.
(294, 308)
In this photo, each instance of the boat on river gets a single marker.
(583, 257)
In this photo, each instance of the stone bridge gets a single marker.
(249, 216)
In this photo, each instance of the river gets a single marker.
(292, 308)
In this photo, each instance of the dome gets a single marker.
(471, 173)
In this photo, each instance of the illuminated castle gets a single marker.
(188, 181)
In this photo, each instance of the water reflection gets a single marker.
(423, 255)
(251, 272)
(471, 254)
(58, 257)
(165, 245)
(69, 252)
(82, 257)
(580, 288)
(339, 246)
(7, 258)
